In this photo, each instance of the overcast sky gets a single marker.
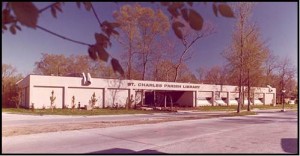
(277, 22)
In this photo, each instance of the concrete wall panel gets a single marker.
(116, 97)
(41, 97)
(83, 95)
(269, 98)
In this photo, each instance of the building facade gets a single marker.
(36, 89)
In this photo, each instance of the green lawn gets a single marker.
(77, 112)
(133, 111)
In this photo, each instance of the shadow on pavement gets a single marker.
(125, 151)
(246, 121)
(263, 119)
(290, 145)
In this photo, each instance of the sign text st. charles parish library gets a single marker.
(155, 85)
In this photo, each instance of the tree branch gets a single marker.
(96, 15)
(63, 37)
(47, 7)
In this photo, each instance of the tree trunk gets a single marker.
(144, 71)
(154, 99)
(142, 97)
(129, 57)
(171, 102)
(165, 100)
(129, 65)
(176, 72)
(241, 70)
(248, 109)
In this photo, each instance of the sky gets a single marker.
(277, 22)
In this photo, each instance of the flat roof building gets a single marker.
(36, 89)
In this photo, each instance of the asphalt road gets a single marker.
(267, 132)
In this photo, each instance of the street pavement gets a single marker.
(266, 133)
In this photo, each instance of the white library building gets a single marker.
(37, 90)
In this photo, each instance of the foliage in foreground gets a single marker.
(27, 14)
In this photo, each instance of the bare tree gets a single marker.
(161, 62)
(189, 38)
(201, 71)
(215, 75)
(270, 65)
(286, 73)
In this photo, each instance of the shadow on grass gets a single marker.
(290, 145)
(125, 151)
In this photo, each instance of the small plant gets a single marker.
(73, 103)
(32, 107)
(52, 99)
(17, 98)
(129, 102)
(78, 105)
(43, 107)
(93, 100)
(115, 106)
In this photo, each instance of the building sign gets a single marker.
(162, 85)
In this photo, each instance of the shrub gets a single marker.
(73, 103)
(93, 100)
(52, 99)
(32, 106)
(129, 102)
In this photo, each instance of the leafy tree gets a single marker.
(10, 92)
(127, 19)
(51, 64)
(59, 64)
(247, 51)
(167, 71)
(255, 56)
(215, 75)
(141, 26)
